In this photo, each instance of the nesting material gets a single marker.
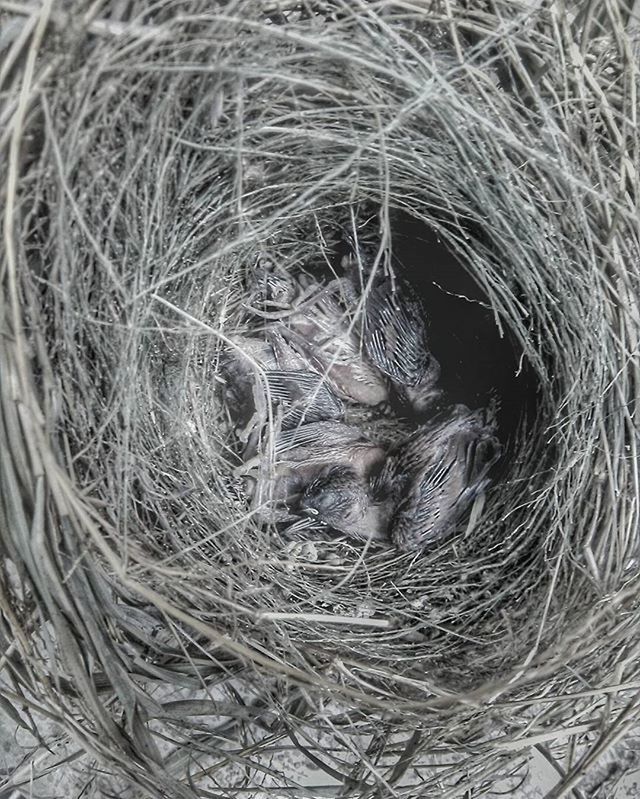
(152, 156)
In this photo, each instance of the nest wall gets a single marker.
(151, 158)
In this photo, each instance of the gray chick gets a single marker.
(270, 286)
(434, 475)
(341, 499)
(268, 375)
(394, 334)
(311, 448)
(310, 453)
(315, 320)
(324, 329)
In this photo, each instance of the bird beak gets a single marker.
(309, 511)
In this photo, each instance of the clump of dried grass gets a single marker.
(150, 158)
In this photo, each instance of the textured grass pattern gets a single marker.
(152, 153)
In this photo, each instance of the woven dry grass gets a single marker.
(150, 156)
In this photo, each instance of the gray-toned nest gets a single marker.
(152, 153)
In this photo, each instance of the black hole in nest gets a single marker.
(477, 364)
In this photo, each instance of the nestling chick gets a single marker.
(304, 454)
(329, 443)
(394, 335)
(395, 340)
(434, 475)
(316, 321)
(270, 374)
(341, 499)
(326, 332)
(270, 286)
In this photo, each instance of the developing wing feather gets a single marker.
(305, 396)
(395, 336)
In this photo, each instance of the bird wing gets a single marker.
(305, 396)
(423, 513)
(432, 495)
(395, 336)
(318, 434)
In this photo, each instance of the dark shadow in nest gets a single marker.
(478, 366)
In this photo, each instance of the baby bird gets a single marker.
(326, 332)
(395, 340)
(312, 447)
(270, 286)
(433, 476)
(341, 499)
(315, 321)
(394, 333)
(262, 373)
(304, 454)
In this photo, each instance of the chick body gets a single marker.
(269, 375)
(394, 334)
(303, 455)
(434, 475)
(328, 335)
(341, 499)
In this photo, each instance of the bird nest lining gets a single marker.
(152, 162)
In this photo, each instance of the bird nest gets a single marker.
(153, 155)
